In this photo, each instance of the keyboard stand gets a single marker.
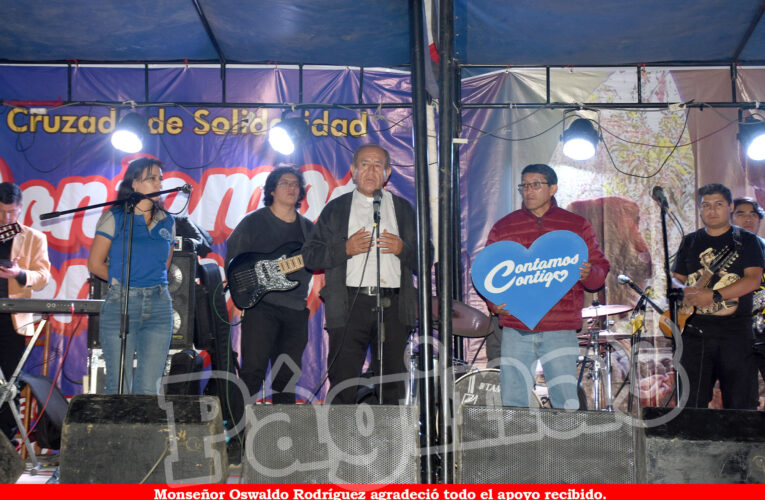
(8, 393)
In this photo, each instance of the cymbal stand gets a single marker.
(594, 364)
(638, 319)
(607, 349)
(598, 371)
(8, 393)
(411, 387)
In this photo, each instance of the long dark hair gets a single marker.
(135, 171)
(273, 179)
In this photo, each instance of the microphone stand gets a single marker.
(635, 338)
(130, 202)
(674, 295)
(645, 297)
(378, 305)
(124, 316)
(635, 348)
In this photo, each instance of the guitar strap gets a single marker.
(737, 240)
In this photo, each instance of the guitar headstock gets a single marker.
(716, 263)
(8, 231)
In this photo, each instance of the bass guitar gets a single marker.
(702, 279)
(251, 275)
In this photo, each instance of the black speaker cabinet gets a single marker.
(11, 464)
(542, 446)
(337, 444)
(703, 446)
(181, 278)
(142, 438)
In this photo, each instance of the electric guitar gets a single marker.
(8, 231)
(701, 279)
(251, 275)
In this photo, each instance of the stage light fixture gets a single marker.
(287, 135)
(129, 134)
(751, 133)
(580, 140)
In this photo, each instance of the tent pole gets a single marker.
(425, 363)
(445, 229)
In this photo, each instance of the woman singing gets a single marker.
(149, 306)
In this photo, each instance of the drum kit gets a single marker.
(598, 343)
(482, 387)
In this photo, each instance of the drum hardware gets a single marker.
(599, 342)
(411, 394)
(598, 335)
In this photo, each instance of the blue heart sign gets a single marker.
(530, 281)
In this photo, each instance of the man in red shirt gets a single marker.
(553, 340)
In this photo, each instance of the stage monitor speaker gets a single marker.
(181, 278)
(11, 464)
(703, 446)
(543, 446)
(139, 438)
(331, 444)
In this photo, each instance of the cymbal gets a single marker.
(606, 336)
(604, 310)
(467, 321)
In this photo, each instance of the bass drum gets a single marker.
(482, 388)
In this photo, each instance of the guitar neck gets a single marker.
(292, 264)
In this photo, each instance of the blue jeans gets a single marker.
(557, 350)
(150, 329)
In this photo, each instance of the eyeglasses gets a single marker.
(292, 184)
(532, 186)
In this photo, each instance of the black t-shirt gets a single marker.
(263, 232)
(699, 250)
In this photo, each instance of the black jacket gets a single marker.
(326, 250)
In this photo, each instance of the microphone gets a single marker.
(626, 280)
(376, 199)
(658, 195)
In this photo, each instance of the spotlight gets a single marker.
(751, 133)
(287, 135)
(129, 134)
(580, 140)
